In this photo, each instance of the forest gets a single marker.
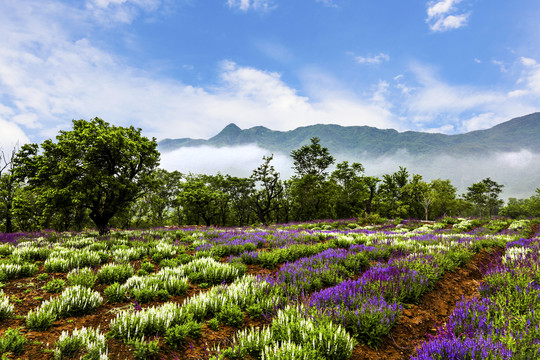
(100, 176)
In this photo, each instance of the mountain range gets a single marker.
(522, 133)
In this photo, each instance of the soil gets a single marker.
(416, 322)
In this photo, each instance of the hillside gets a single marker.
(513, 135)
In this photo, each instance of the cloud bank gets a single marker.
(519, 172)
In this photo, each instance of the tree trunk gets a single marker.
(102, 223)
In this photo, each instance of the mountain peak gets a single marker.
(232, 127)
(228, 134)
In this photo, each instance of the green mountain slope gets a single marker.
(513, 135)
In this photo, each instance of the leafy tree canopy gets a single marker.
(97, 166)
(312, 159)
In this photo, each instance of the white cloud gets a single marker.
(11, 136)
(435, 105)
(245, 5)
(123, 11)
(49, 76)
(372, 60)
(501, 65)
(328, 3)
(443, 16)
(528, 62)
(234, 160)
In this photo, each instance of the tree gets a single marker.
(199, 199)
(312, 159)
(97, 166)
(391, 194)
(476, 194)
(269, 189)
(444, 200)
(239, 192)
(352, 191)
(485, 194)
(493, 191)
(309, 189)
(371, 183)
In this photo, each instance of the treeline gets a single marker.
(98, 175)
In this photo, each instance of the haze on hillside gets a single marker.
(508, 153)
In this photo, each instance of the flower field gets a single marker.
(454, 289)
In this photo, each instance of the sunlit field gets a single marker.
(455, 288)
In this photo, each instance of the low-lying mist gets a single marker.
(519, 172)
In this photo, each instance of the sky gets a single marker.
(187, 68)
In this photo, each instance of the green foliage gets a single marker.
(143, 295)
(42, 277)
(111, 273)
(265, 199)
(11, 270)
(231, 315)
(142, 272)
(255, 311)
(147, 266)
(12, 341)
(115, 293)
(163, 295)
(40, 320)
(176, 336)
(54, 286)
(6, 309)
(96, 166)
(213, 324)
(84, 277)
(145, 350)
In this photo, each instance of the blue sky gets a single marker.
(187, 68)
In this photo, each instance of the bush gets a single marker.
(213, 324)
(255, 311)
(143, 295)
(83, 277)
(12, 341)
(115, 293)
(147, 266)
(6, 309)
(176, 336)
(54, 286)
(231, 315)
(112, 273)
(145, 350)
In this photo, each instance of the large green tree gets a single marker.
(310, 191)
(351, 189)
(97, 166)
(269, 188)
(485, 195)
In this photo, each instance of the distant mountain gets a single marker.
(513, 135)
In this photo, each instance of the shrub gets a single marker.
(12, 341)
(54, 286)
(143, 295)
(115, 293)
(84, 277)
(231, 315)
(6, 309)
(255, 311)
(90, 341)
(213, 324)
(176, 336)
(147, 266)
(145, 350)
(111, 273)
